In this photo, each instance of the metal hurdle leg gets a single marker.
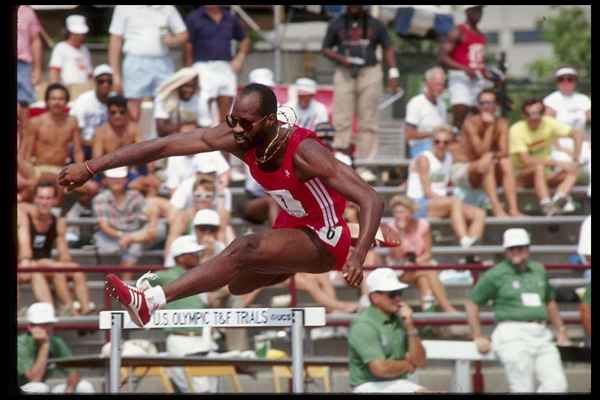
(115, 351)
(297, 352)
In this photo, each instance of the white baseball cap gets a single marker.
(185, 245)
(76, 24)
(41, 313)
(306, 86)
(264, 76)
(565, 71)
(102, 69)
(515, 237)
(119, 172)
(384, 280)
(204, 167)
(207, 217)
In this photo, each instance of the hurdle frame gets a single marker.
(295, 318)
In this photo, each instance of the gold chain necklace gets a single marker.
(265, 158)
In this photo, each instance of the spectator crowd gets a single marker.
(183, 206)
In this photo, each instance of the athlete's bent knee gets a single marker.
(244, 251)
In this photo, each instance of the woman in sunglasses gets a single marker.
(301, 175)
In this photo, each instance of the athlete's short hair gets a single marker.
(268, 101)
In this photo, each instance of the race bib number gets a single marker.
(330, 235)
(531, 299)
(476, 55)
(286, 201)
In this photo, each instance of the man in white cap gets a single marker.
(126, 221)
(384, 345)
(264, 76)
(310, 112)
(90, 107)
(523, 302)
(574, 109)
(183, 342)
(463, 55)
(35, 347)
(71, 62)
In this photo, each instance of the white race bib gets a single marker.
(531, 299)
(286, 201)
(330, 235)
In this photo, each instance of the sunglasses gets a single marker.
(392, 294)
(487, 103)
(117, 112)
(534, 114)
(517, 248)
(566, 79)
(247, 125)
(207, 228)
(103, 81)
(444, 142)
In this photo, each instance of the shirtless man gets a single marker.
(49, 135)
(303, 176)
(118, 131)
(481, 157)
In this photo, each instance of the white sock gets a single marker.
(155, 297)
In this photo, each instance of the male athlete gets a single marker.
(301, 175)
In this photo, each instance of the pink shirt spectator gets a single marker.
(28, 26)
(412, 241)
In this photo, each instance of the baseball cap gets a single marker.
(185, 245)
(102, 70)
(41, 313)
(384, 280)
(119, 172)
(306, 86)
(515, 237)
(76, 24)
(565, 71)
(207, 217)
(264, 76)
(204, 167)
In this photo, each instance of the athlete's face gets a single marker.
(248, 124)
(45, 199)
(474, 14)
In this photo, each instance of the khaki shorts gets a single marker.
(40, 170)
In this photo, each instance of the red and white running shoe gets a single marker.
(131, 297)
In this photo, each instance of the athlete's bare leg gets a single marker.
(276, 252)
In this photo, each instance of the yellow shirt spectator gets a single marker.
(537, 143)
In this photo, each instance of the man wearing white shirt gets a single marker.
(90, 107)
(425, 112)
(145, 34)
(571, 108)
(309, 111)
(70, 62)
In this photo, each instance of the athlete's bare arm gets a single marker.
(179, 144)
(313, 160)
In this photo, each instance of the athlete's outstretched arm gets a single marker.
(314, 160)
(179, 144)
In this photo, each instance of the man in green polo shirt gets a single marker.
(523, 301)
(383, 344)
(182, 342)
(35, 347)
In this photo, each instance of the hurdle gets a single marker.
(296, 318)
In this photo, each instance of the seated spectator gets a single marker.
(127, 223)
(182, 168)
(523, 302)
(49, 136)
(25, 175)
(145, 34)
(414, 236)
(425, 112)
(428, 179)
(530, 142)
(480, 155)
(571, 108)
(181, 342)
(184, 221)
(90, 107)
(182, 197)
(39, 231)
(35, 347)
(384, 345)
(70, 62)
(177, 106)
(309, 112)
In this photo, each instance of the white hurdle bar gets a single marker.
(296, 318)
